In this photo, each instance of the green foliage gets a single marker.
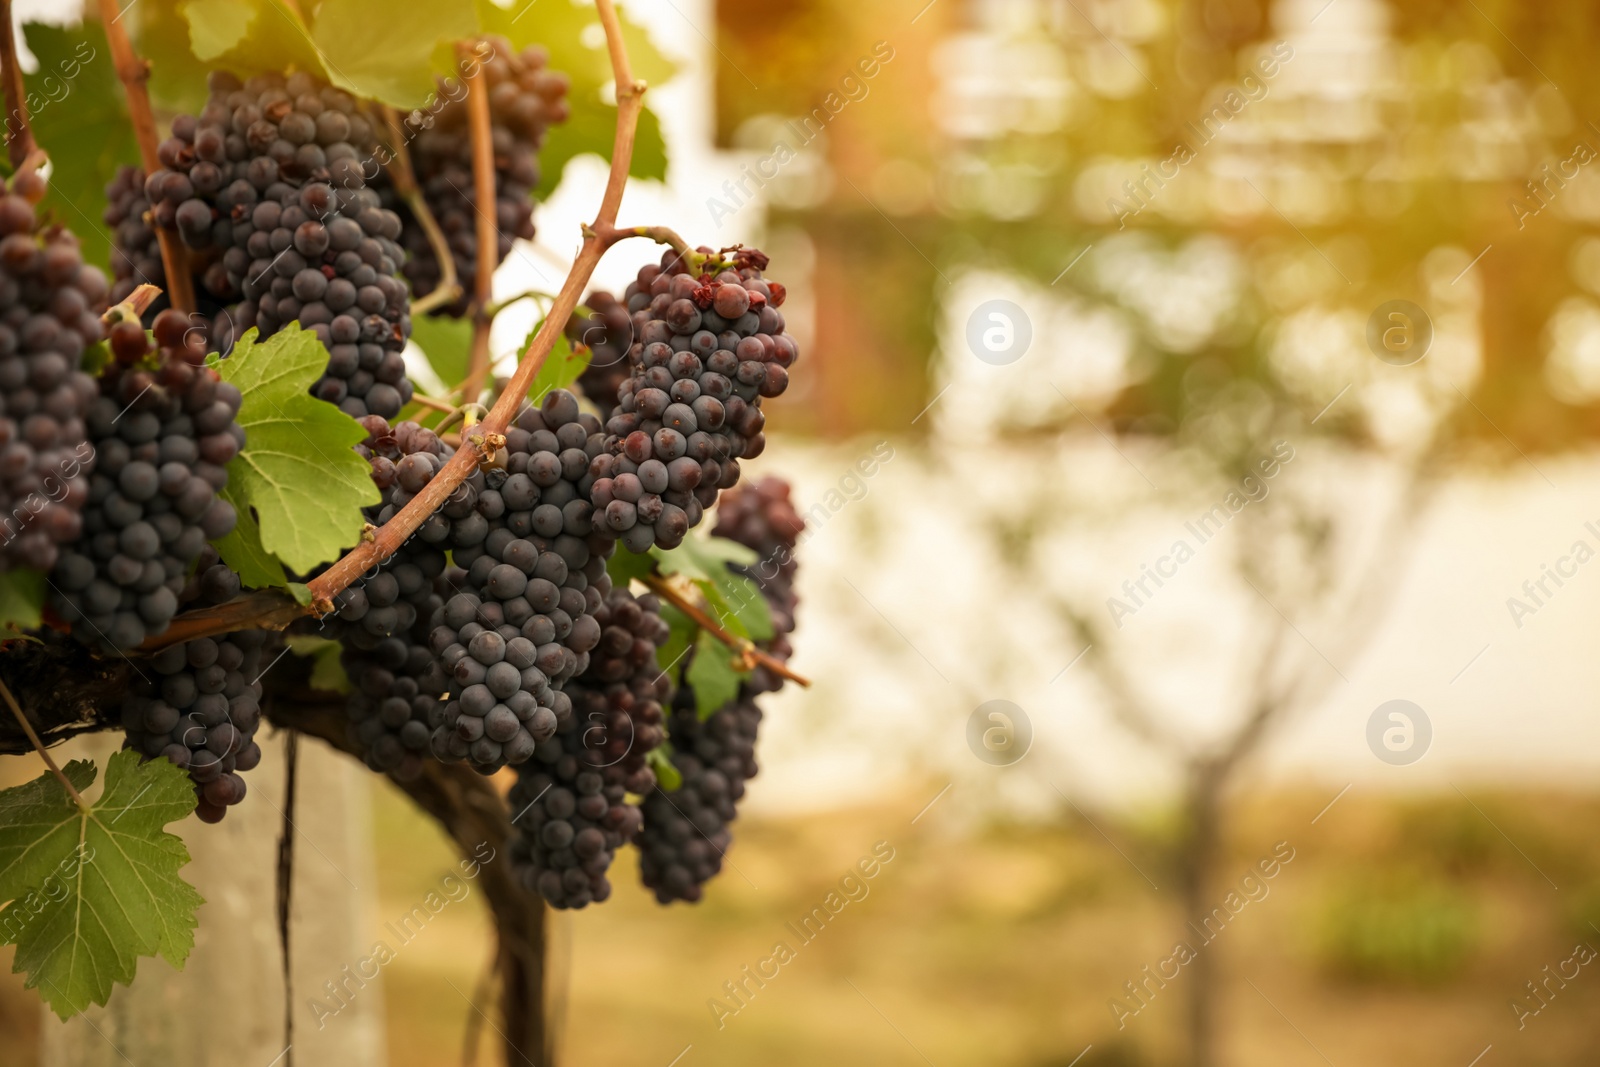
(387, 51)
(659, 759)
(327, 672)
(624, 566)
(78, 115)
(447, 342)
(682, 632)
(560, 368)
(242, 550)
(91, 892)
(297, 469)
(21, 601)
(712, 675)
(733, 598)
(570, 31)
(1385, 927)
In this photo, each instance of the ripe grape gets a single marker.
(198, 703)
(161, 439)
(50, 303)
(690, 409)
(525, 99)
(270, 184)
(685, 832)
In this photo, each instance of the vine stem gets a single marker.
(38, 746)
(482, 135)
(405, 184)
(19, 135)
(134, 72)
(702, 618)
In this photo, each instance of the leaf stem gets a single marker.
(19, 135)
(702, 618)
(44, 754)
(482, 133)
(134, 72)
(405, 183)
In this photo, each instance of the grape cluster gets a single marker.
(384, 620)
(571, 814)
(163, 429)
(136, 256)
(525, 100)
(270, 182)
(198, 703)
(619, 697)
(136, 259)
(608, 334)
(685, 833)
(50, 303)
(709, 345)
(523, 622)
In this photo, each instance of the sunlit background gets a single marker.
(1214, 383)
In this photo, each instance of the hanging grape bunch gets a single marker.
(710, 344)
(199, 703)
(163, 430)
(607, 332)
(571, 798)
(686, 832)
(523, 621)
(525, 100)
(50, 302)
(270, 184)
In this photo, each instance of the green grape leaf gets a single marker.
(79, 116)
(241, 549)
(560, 368)
(327, 672)
(160, 35)
(91, 892)
(703, 558)
(624, 566)
(390, 52)
(734, 599)
(447, 342)
(570, 31)
(681, 632)
(711, 675)
(192, 37)
(297, 469)
(21, 601)
(217, 26)
(738, 599)
(659, 759)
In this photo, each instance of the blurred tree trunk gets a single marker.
(1197, 862)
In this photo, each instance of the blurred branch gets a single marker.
(1126, 704)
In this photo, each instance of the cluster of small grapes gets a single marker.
(50, 303)
(198, 703)
(523, 622)
(685, 833)
(270, 183)
(607, 331)
(619, 698)
(163, 429)
(570, 802)
(525, 100)
(709, 345)
(384, 621)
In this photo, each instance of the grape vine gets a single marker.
(194, 486)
